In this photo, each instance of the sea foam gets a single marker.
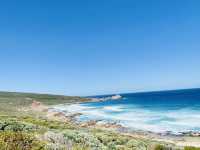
(147, 113)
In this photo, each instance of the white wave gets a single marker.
(113, 108)
(181, 120)
(73, 108)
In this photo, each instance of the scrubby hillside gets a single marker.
(11, 101)
(27, 133)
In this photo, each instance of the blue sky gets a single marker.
(96, 47)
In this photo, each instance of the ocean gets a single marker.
(174, 111)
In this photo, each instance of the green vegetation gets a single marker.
(54, 135)
(11, 102)
(25, 130)
(191, 148)
(164, 147)
(26, 133)
(19, 141)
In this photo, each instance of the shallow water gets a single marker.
(174, 111)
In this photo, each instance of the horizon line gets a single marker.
(116, 93)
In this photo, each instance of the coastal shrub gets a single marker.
(2, 125)
(121, 147)
(30, 127)
(132, 143)
(111, 146)
(107, 137)
(191, 148)
(79, 147)
(10, 140)
(53, 137)
(116, 141)
(159, 147)
(136, 144)
(164, 147)
(49, 123)
(56, 146)
(84, 138)
(13, 125)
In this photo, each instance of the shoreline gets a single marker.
(178, 140)
(189, 133)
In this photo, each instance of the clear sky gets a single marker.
(88, 47)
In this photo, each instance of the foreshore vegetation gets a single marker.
(22, 128)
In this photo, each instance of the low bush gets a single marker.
(86, 139)
(160, 147)
(166, 147)
(108, 137)
(191, 148)
(133, 143)
(48, 124)
(13, 125)
(10, 140)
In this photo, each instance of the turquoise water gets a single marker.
(174, 111)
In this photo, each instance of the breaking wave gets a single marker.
(150, 113)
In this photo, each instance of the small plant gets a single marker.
(162, 147)
(48, 124)
(84, 138)
(191, 148)
(13, 125)
(10, 140)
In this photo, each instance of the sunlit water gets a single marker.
(174, 111)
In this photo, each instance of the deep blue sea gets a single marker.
(175, 111)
